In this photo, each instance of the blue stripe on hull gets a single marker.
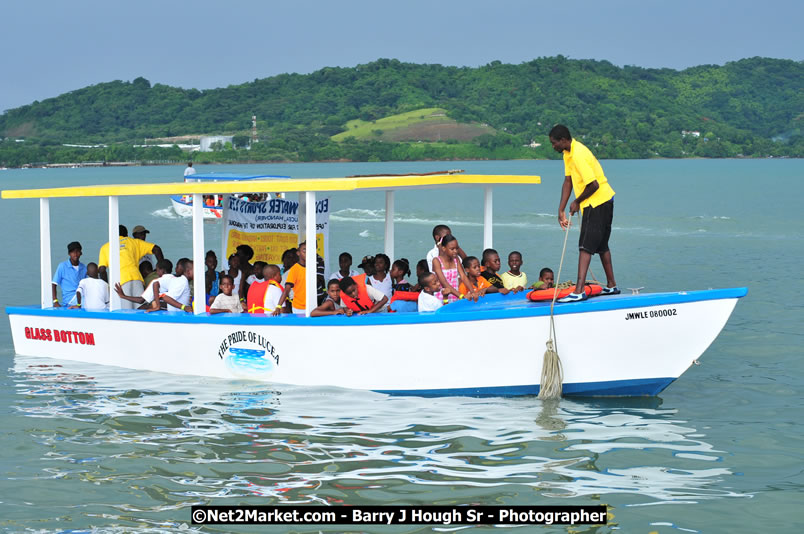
(614, 388)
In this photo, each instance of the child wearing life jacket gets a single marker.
(515, 279)
(360, 297)
(491, 265)
(226, 302)
(263, 296)
(480, 286)
(332, 303)
(447, 267)
(430, 299)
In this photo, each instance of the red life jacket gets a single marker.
(363, 302)
(255, 299)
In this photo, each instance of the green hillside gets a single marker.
(751, 107)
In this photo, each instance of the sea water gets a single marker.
(88, 447)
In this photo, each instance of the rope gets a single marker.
(552, 371)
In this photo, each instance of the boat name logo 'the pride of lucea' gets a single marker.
(248, 353)
(651, 314)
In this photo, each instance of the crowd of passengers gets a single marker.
(149, 282)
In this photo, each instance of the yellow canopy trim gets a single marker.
(275, 186)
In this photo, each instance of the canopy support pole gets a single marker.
(311, 268)
(302, 211)
(389, 224)
(487, 217)
(224, 260)
(199, 285)
(113, 273)
(44, 253)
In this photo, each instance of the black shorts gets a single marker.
(596, 228)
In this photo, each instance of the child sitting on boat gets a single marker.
(246, 253)
(491, 266)
(226, 302)
(479, 285)
(360, 297)
(68, 274)
(289, 259)
(344, 268)
(447, 267)
(177, 294)
(431, 298)
(546, 279)
(514, 279)
(367, 264)
(422, 268)
(155, 287)
(399, 270)
(404, 295)
(263, 296)
(439, 231)
(256, 273)
(332, 303)
(234, 270)
(92, 292)
(147, 272)
(212, 277)
(381, 278)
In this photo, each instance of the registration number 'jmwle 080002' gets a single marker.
(651, 314)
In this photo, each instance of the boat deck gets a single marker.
(490, 307)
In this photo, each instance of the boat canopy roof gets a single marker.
(259, 184)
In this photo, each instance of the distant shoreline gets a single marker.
(80, 165)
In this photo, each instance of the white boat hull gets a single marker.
(627, 345)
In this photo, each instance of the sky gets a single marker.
(51, 47)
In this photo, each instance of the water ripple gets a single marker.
(186, 441)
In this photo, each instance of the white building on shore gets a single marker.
(208, 140)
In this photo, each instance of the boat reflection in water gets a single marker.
(204, 440)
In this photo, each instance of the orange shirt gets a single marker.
(481, 283)
(296, 276)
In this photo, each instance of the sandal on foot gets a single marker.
(573, 297)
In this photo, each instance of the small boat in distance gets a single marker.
(213, 204)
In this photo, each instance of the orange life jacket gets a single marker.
(255, 299)
(363, 302)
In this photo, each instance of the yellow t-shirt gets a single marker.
(583, 167)
(510, 281)
(131, 250)
(296, 276)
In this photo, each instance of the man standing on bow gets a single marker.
(594, 198)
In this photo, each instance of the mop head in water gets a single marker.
(552, 374)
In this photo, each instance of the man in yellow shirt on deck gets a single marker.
(594, 198)
(131, 250)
